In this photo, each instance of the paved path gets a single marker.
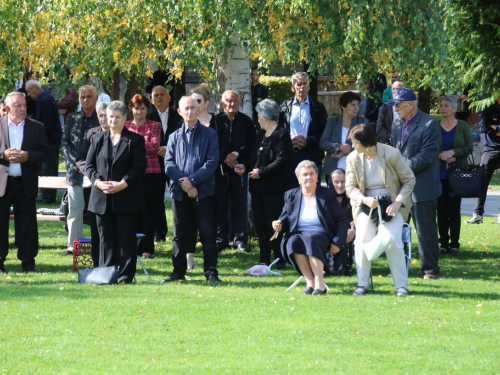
(491, 207)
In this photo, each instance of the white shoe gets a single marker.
(402, 292)
(475, 219)
(190, 261)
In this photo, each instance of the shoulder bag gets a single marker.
(466, 183)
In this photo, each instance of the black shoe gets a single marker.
(212, 277)
(67, 252)
(347, 273)
(308, 290)
(173, 277)
(124, 280)
(32, 270)
(243, 248)
(2, 267)
(280, 266)
(319, 292)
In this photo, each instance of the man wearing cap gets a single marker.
(416, 135)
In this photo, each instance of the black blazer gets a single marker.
(330, 213)
(35, 144)
(384, 123)
(174, 123)
(129, 164)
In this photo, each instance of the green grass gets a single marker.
(51, 324)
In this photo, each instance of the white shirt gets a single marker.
(164, 119)
(308, 218)
(341, 163)
(16, 134)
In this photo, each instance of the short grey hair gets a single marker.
(300, 75)
(117, 106)
(231, 92)
(186, 97)
(34, 83)
(450, 98)
(102, 106)
(338, 171)
(304, 164)
(159, 87)
(88, 87)
(268, 108)
(12, 95)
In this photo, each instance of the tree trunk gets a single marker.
(115, 89)
(424, 99)
(233, 73)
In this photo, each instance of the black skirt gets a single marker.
(315, 244)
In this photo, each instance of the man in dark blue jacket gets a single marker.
(47, 113)
(190, 162)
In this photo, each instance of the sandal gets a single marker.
(444, 250)
(454, 251)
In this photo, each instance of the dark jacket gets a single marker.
(316, 126)
(173, 123)
(491, 116)
(330, 214)
(35, 144)
(48, 114)
(384, 123)
(462, 144)
(129, 164)
(240, 135)
(72, 139)
(420, 148)
(206, 159)
(84, 148)
(272, 156)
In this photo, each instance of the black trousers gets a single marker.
(266, 208)
(153, 194)
(160, 221)
(236, 193)
(50, 168)
(448, 218)
(187, 212)
(118, 241)
(491, 161)
(423, 215)
(25, 223)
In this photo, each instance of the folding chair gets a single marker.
(406, 238)
(139, 238)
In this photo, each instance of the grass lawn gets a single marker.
(52, 324)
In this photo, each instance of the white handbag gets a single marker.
(380, 242)
(263, 270)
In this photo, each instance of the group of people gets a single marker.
(118, 170)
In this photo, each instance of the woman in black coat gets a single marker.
(115, 164)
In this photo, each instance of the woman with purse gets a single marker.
(456, 145)
(376, 170)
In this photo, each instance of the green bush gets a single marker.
(279, 87)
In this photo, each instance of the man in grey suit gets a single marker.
(417, 136)
(386, 116)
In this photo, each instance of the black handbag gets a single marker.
(384, 201)
(98, 275)
(466, 183)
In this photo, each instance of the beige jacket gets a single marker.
(397, 175)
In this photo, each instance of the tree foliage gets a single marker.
(431, 42)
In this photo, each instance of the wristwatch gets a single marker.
(237, 154)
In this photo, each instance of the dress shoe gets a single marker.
(67, 252)
(190, 261)
(431, 276)
(360, 291)
(124, 280)
(32, 270)
(475, 219)
(402, 292)
(444, 250)
(454, 251)
(173, 277)
(319, 292)
(308, 290)
(243, 248)
(213, 278)
(147, 256)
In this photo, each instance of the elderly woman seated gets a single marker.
(314, 223)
